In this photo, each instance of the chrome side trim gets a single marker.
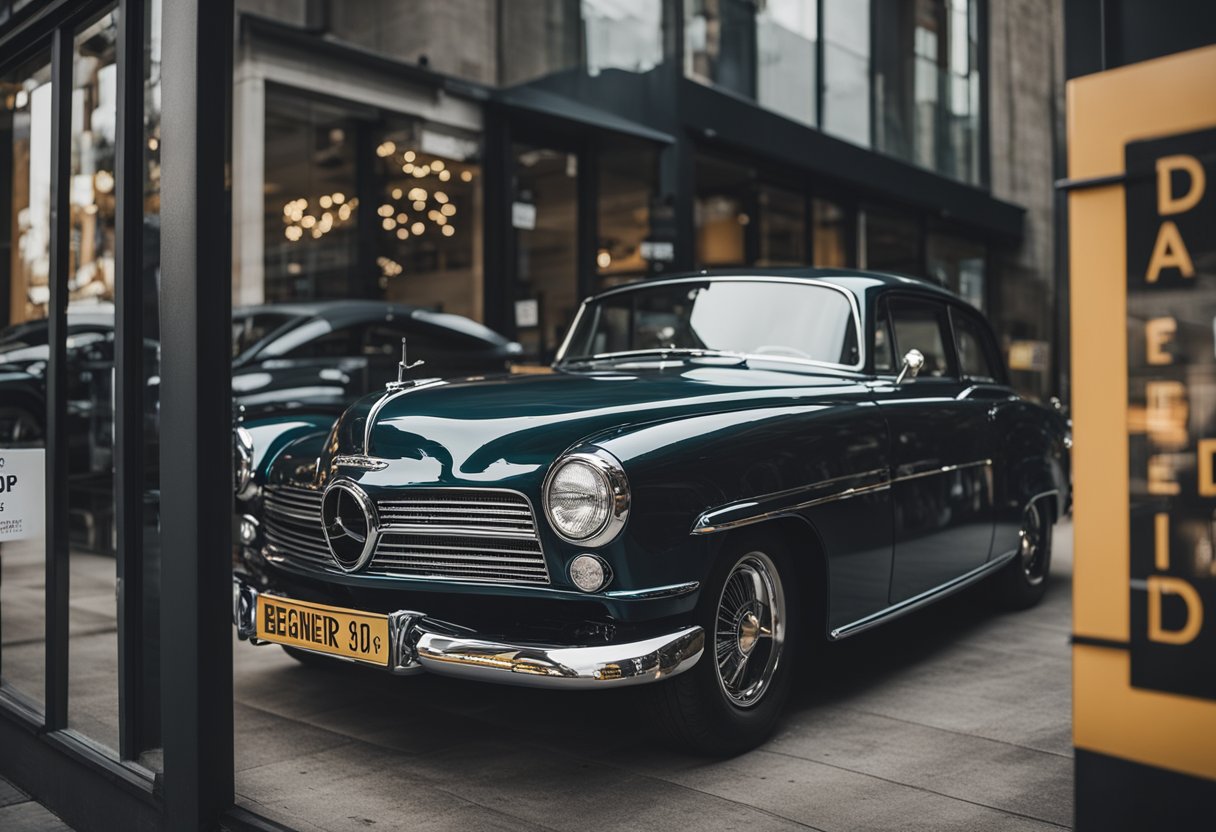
(1052, 492)
(671, 591)
(419, 643)
(918, 601)
(704, 524)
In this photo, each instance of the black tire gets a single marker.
(1022, 583)
(694, 708)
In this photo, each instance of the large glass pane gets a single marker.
(25, 232)
(627, 186)
(722, 212)
(623, 34)
(787, 36)
(545, 216)
(927, 80)
(93, 629)
(846, 102)
(427, 221)
(720, 44)
(312, 215)
(959, 264)
(782, 217)
(892, 242)
(550, 28)
(832, 234)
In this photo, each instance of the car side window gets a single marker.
(922, 325)
(974, 356)
(337, 343)
(884, 353)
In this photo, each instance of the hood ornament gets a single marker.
(402, 366)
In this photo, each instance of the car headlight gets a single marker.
(242, 463)
(587, 497)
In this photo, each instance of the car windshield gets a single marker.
(749, 318)
(249, 329)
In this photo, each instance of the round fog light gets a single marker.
(589, 573)
(247, 530)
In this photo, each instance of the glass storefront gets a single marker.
(846, 70)
(25, 231)
(626, 191)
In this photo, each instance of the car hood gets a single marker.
(494, 429)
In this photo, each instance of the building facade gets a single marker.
(501, 159)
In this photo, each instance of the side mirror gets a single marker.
(913, 361)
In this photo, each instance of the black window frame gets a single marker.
(987, 343)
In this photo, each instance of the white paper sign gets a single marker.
(527, 312)
(523, 215)
(658, 250)
(22, 493)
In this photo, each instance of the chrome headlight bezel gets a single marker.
(610, 471)
(242, 463)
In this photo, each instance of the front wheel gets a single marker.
(730, 701)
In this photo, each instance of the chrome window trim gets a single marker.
(618, 485)
(743, 278)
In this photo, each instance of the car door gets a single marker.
(984, 374)
(941, 451)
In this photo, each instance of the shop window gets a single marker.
(312, 216)
(628, 173)
(959, 264)
(723, 211)
(425, 226)
(545, 218)
(25, 229)
(782, 225)
(831, 234)
(846, 57)
(892, 242)
(720, 44)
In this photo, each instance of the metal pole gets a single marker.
(129, 374)
(57, 563)
(196, 414)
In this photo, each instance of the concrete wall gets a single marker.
(1026, 104)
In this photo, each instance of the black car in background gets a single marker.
(327, 354)
(316, 357)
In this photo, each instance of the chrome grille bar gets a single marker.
(484, 535)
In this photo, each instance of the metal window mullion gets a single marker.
(129, 375)
(57, 553)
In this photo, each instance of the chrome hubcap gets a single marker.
(750, 629)
(1031, 549)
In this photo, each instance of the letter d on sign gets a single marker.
(1159, 585)
(1167, 203)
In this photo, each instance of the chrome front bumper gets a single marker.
(418, 643)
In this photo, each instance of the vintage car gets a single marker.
(720, 470)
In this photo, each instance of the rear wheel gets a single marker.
(1022, 583)
(731, 699)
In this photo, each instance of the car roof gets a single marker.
(340, 313)
(856, 281)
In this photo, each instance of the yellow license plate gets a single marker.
(333, 630)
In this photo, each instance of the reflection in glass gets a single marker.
(892, 242)
(846, 102)
(623, 34)
(25, 170)
(927, 78)
(720, 44)
(426, 224)
(782, 232)
(786, 42)
(958, 264)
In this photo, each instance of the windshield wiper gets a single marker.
(661, 353)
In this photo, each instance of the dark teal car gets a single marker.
(719, 470)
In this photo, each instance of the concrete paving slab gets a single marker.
(29, 816)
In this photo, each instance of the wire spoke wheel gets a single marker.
(749, 629)
(1032, 548)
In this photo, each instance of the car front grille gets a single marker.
(486, 535)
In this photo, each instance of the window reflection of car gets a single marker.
(720, 470)
(326, 354)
